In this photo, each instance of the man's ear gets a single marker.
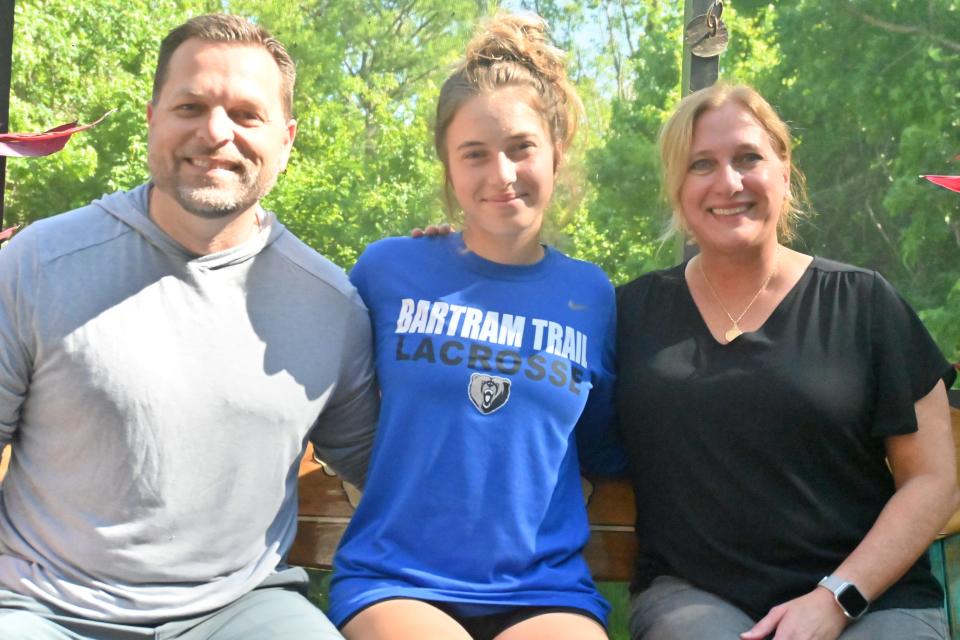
(149, 111)
(291, 133)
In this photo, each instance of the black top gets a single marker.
(759, 465)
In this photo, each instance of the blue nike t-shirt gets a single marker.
(473, 495)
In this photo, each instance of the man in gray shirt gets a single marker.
(165, 355)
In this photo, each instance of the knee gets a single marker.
(672, 608)
(274, 614)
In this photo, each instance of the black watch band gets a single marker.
(848, 597)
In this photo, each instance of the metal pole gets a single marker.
(696, 73)
(6, 67)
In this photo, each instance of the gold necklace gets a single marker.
(735, 332)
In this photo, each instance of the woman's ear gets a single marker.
(557, 156)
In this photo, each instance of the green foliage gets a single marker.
(624, 169)
(74, 61)
(368, 77)
(872, 91)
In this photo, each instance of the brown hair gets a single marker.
(511, 51)
(676, 139)
(220, 27)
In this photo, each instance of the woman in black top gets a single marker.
(761, 393)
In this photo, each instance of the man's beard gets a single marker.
(214, 202)
(218, 200)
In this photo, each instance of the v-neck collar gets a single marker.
(749, 335)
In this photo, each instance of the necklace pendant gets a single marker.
(733, 333)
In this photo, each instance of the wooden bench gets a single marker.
(325, 510)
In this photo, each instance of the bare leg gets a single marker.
(556, 626)
(403, 620)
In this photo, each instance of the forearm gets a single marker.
(344, 433)
(924, 472)
(344, 439)
(904, 529)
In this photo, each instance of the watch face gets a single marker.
(852, 601)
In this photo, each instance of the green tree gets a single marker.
(369, 75)
(872, 91)
(625, 208)
(74, 61)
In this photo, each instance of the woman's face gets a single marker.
(733, 194)
(500, 163)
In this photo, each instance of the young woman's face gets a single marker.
(501, 163)
(733, 193)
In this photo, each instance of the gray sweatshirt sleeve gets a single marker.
(16, 308)
(343, 434)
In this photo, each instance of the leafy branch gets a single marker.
(905, 29)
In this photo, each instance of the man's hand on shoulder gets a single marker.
(432, 230)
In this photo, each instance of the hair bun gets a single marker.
(511, 50)
(517, 38)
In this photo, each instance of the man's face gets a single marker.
(218, 135)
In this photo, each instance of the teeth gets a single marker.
(207, 163)
(728, 212)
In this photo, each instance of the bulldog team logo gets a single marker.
(488, 393)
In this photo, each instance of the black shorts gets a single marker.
(489, 625)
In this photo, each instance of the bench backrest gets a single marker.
(325, 511)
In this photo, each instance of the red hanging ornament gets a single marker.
(27, 145)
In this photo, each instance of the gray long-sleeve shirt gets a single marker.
(158, 403)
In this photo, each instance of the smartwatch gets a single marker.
(851, 601)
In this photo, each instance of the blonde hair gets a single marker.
(676, 140)
(510, 50)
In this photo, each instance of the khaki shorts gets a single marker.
(267, 613)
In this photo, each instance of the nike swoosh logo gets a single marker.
(576, 307)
